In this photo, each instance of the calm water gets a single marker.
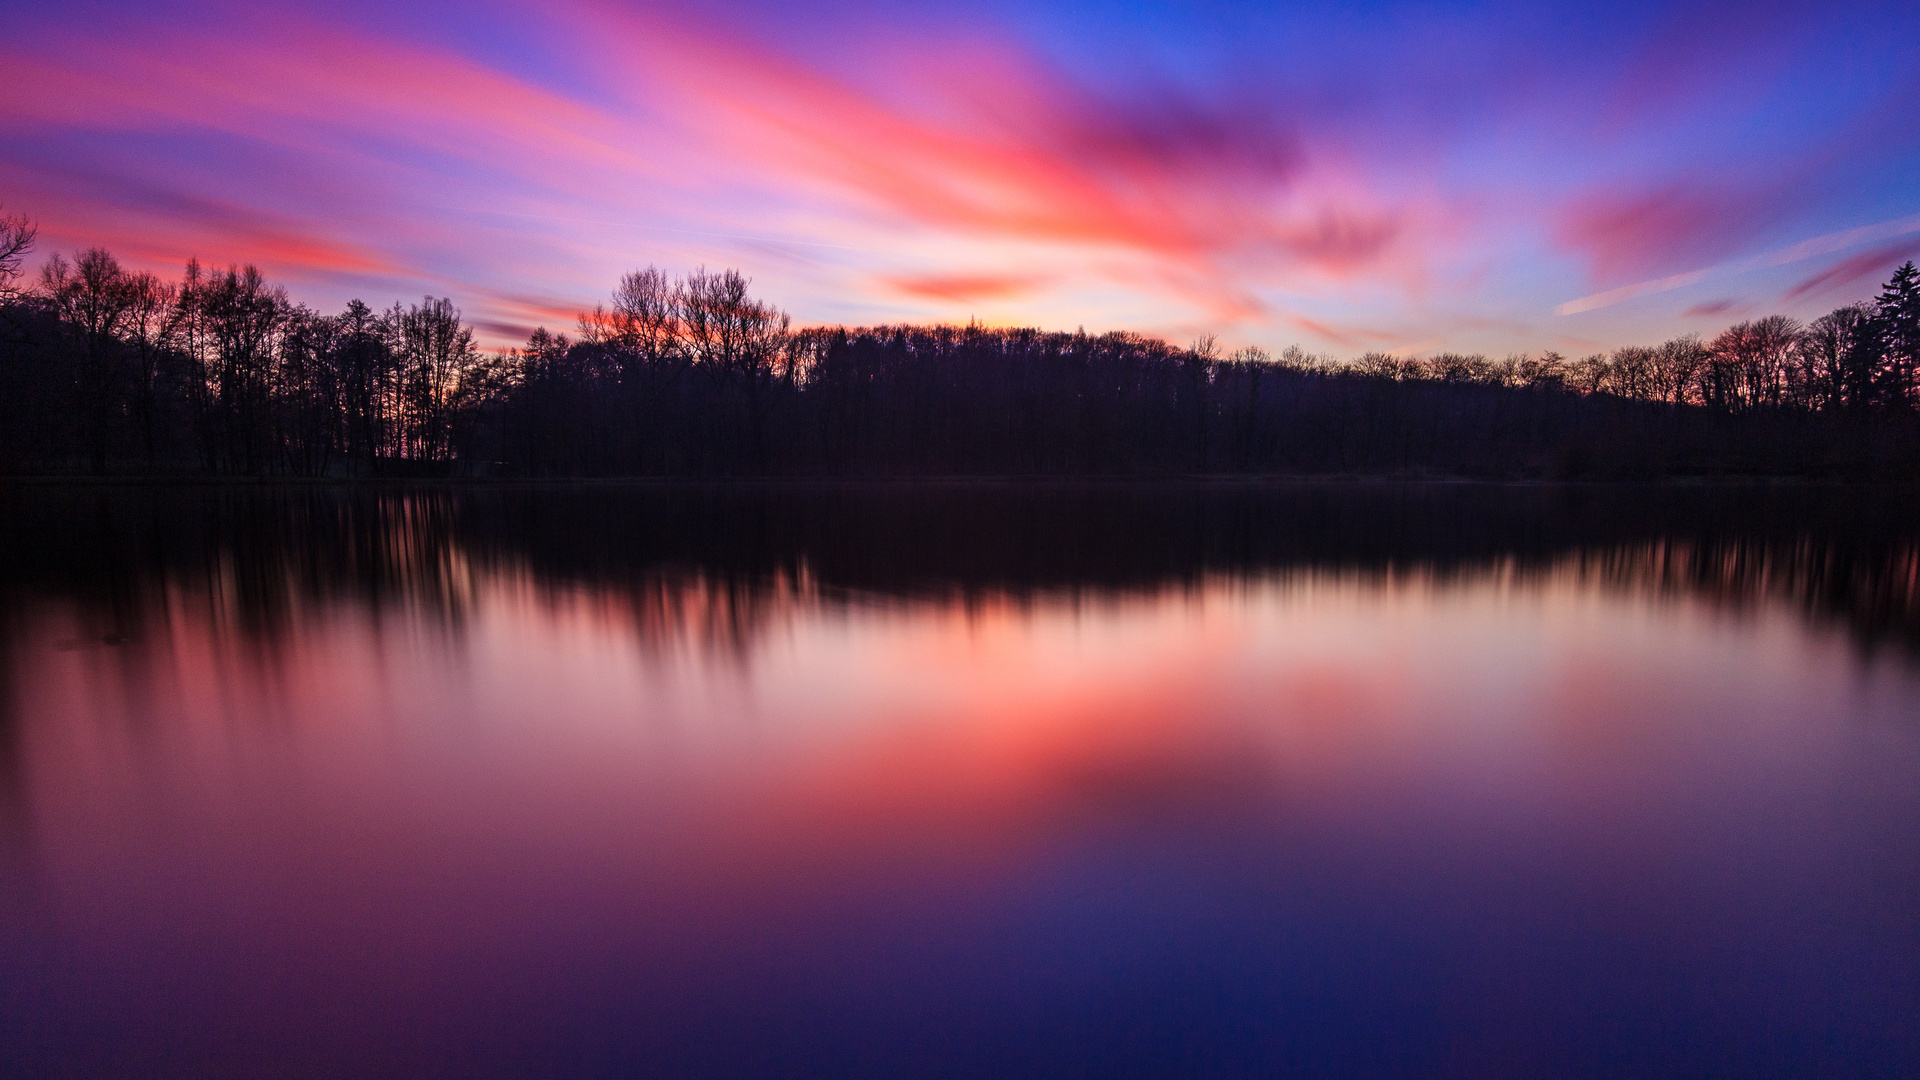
(1364, 781)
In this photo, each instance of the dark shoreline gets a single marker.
(1013, 481)
(1843, 552)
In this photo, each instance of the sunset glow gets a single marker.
(1492, 178)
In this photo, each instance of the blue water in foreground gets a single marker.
(971, 782)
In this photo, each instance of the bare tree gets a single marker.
(1631, 373)
(241, 319)
(645, 316)
(363, 356)
(1825, 356)
(1751, 363)
(1677, 365)
(1589, 374)
(152, 314)
(724, 328)
(1548, 371)
(1379, 365)
(435, 351)
(16, 240)
(91, 299)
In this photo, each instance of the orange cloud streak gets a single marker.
(963, 288)
(1029, 160)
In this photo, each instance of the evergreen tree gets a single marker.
(1898, 315)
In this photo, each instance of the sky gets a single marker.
(1348, 177)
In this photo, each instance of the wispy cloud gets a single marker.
(1710, 310)
(1848, 271)
(1805, 249)
(1634, 234)
(963, 288)
(1351, 337)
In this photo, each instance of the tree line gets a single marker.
(107, 370)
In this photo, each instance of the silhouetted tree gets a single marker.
(151, 315)
(1749, 364)
(101, 368)
(1839, 355)
(91, 299)
(435, 351)
(16, 240)
(1677, 368)
(1897, 315)
(367, 381)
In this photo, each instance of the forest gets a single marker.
(107, 371)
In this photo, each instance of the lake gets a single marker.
(966, 780)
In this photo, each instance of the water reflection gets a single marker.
(1366, 780)
(712, 564)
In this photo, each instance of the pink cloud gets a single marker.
(963, 288)
(993, 145)
(1642, 234)
(1350, 337)
(1208, 200)
(160, 230)
(1342, 243)
(1868, 264)
(507, 318)
(382, 131)
(1708, 309)
(288, 82)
